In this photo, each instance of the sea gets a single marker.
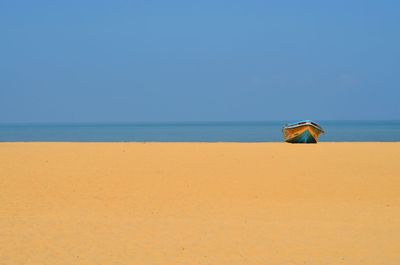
(259, 131)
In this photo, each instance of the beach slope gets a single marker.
(199, 203)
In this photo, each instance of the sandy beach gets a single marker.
(199, 203)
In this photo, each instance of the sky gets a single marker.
(209, 60)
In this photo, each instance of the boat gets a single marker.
(305, 131)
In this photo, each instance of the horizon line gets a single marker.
(184, 122)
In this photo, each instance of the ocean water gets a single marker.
(268, 131)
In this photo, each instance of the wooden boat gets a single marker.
(302, 132)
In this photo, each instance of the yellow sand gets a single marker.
(196, 203)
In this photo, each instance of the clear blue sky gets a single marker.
(153, 60)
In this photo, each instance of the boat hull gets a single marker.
(301, 134)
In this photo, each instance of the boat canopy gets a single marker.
(299, 122)
(304, 122)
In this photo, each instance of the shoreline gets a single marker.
(142, 142)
